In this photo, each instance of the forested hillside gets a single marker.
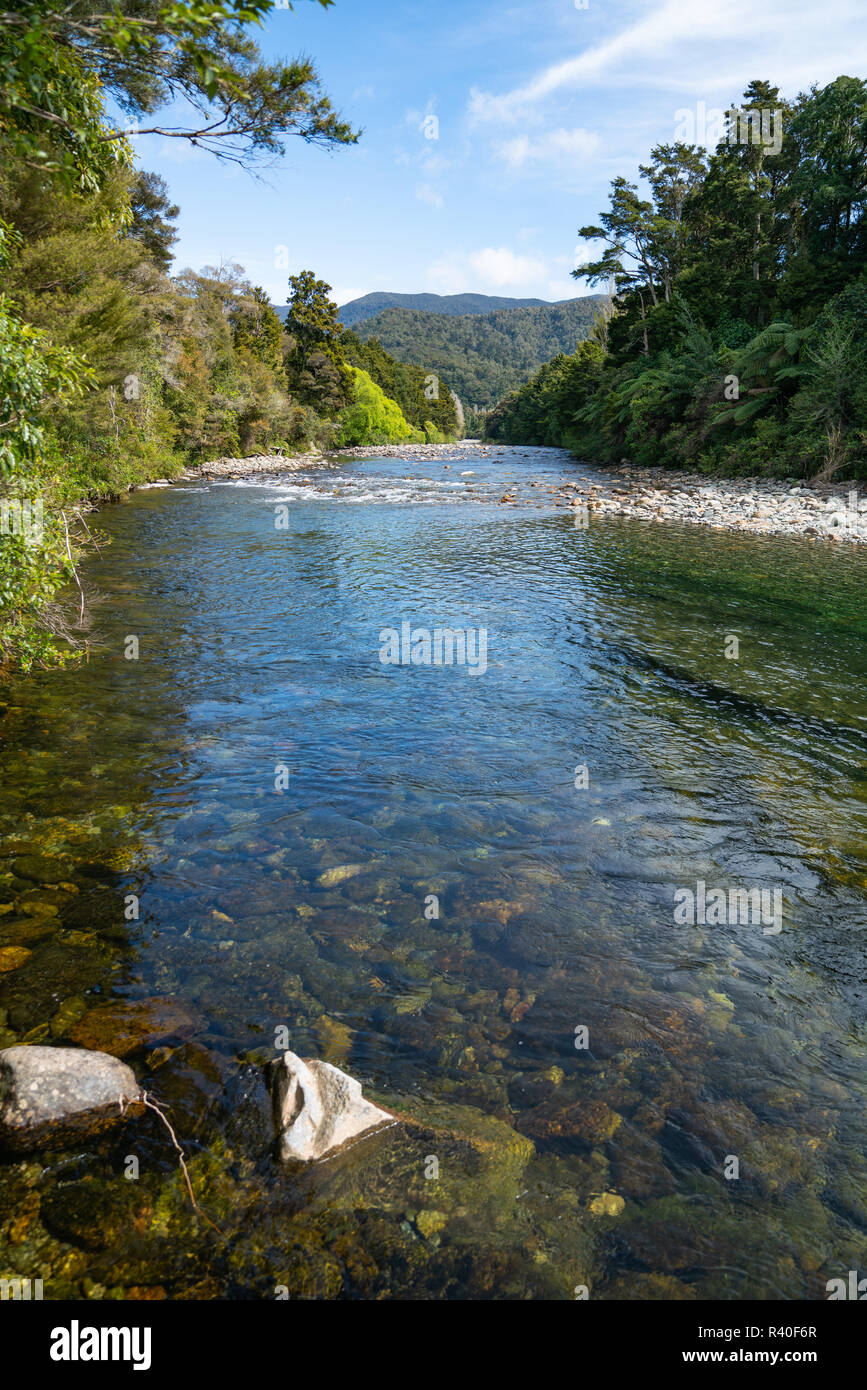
(482, 356)
(452, 304)
(113, 369)
(738, 338)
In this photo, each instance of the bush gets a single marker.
(372, 418)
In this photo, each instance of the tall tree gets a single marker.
(257, 329)
(152, 214)
(315, 361)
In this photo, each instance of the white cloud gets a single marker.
(584, 251)
(564, 289)
(703, 49)
(343, 296)
(553, 147)
(427, 194)
(501, 267)
(491, 268)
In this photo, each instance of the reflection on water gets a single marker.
(438, 903)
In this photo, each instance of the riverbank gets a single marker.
(815, 510)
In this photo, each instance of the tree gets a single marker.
(147, 55)
(152, 215)
(315, 365)
(422, 395)
(674, 174)
(371, 418)
(257, 329)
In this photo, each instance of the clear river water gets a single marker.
(459, 885)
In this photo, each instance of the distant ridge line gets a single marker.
(452, 305)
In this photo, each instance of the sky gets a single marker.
(491, 133)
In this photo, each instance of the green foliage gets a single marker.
(315, 365)
(483, 356)
(51, 104)
(371, 418)
(369, 305)
(30, 577)
(424, 399)
(544, 410)
(32, 372)
(110, 371)
(256, 329)
(152, 214)
(147, 54)
(737, 338)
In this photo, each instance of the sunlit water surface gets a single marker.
(436, 790)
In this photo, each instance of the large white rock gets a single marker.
(317, 1108)
(55, 1094)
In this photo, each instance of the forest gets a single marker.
(116, 367)
(734, 339)
(483, 356)
(453, 305)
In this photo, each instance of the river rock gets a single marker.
(318, 1108)
(126, 1025)
(56, 1094)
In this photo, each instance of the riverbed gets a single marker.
(246, 829)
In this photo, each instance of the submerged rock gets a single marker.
(318, 1108)
(13, 956)
(607, 1204)
(589, 1119)
(56, 1094)
(329, 877)
(94, 1214)
(126, 1025)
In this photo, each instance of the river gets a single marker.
(459, 884)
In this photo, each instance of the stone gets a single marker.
(430, 1222)
(39, 868)
(125, 1025)
(607, 1204)
(13, 956)
(51, 1095)
(318, 1108)
(333, 1037)
(94, 1215)
(339, 874)
(559, 1118)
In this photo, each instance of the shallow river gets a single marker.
(458, 882)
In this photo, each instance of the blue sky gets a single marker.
(537, 107)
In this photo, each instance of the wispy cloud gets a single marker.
(492, 267)
(701, 48)
(552, 147)
(427, 194)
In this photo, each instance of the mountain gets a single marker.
(451, 304)
(483, 356)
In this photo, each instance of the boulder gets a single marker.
(318, 1108)
(54, 1095)
(127, 1025)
